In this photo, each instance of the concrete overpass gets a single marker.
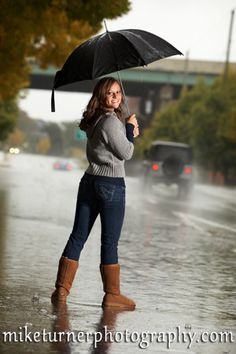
(150, 87)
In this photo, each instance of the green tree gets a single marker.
(31, 130)
(45, 31)
(55, 133)
(8, 115)
(204, 117)
(70, 137)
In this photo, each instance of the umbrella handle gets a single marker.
(123, 92)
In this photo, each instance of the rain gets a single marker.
(177, 257)
(177, 249)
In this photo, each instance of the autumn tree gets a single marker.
(16, 138)
(45, 31)
(43, 145)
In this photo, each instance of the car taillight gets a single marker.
(188, 170)
(155, 167)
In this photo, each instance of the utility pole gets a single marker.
(228, 47)
(185, 73)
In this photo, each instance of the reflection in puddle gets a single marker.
(105, 328)
(3, 207)
(102, 337)
(178, 268)
(61, 324)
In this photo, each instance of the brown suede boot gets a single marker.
(65, 276)
(111, 285)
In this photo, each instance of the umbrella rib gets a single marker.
(94, 59)
(136, 50)
(151, 48)
(113, 50)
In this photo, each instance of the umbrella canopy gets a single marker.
(110, 52)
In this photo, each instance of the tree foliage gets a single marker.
(45, 30)
(204, 117)
(8, 115)
(16, 138)
(43, 145)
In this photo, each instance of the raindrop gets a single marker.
(35, 298)
(28, 324)
(43, 311)
(188, 326)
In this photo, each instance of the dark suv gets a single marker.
(170, 163)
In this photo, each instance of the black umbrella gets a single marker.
(110, 52)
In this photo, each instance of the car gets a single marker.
(170, 163)
(62, 165)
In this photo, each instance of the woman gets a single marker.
(101, 191)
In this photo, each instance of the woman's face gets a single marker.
(113, 97)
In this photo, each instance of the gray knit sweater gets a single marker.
(108, 146)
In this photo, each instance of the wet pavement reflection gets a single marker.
(178, 261)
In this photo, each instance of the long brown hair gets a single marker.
(96, 105)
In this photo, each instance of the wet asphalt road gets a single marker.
(178, 261)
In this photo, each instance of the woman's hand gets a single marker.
(132, 119)
(136, 131)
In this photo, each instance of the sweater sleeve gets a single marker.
(130, 132)
(115, 136)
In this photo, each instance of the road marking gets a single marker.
(187, 221)
(189, 218)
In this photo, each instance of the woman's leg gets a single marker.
(112, 208)
(85, 216)
(111, 204)
(112, 211)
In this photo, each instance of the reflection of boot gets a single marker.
(111, 284)
(65, 276)
(60, 325)
(108, 319)
(61, 322)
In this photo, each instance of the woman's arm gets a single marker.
(130, 132)
(114, 135)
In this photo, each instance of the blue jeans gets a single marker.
(98, 196)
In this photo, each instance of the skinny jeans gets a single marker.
(104, 196)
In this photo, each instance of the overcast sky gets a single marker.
(198, 26)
